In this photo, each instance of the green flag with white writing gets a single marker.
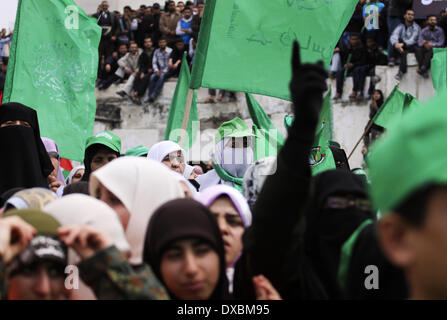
(53, 68)
(246, 45)
(177, 110)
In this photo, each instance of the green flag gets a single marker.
(52, 69)
(411, 102)
(439, 69)
(269, 140)
(247, 45)
(321, 158)
(177, 110)
(391, 109)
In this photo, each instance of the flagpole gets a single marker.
(186, 115)
(370, 123)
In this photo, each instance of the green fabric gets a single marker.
(413, 154)
(391, 109)
(439, 69)
(269, 140)
(410, 102)
(53, 70)
(137, 151)
(106, 138)
(235, 128)
(237, 182)
(346, 254)
(43, 222)
(177, 110)
(288, 121)
(321, 157)
(246, 46)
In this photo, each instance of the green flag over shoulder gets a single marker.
(246, 45)
(52, 69)
(269, 140)
(439, 69)
(177, 110)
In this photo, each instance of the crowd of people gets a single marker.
(148, 224)
(383, 33)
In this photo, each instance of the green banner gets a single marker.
(247, 45)
(53, 68)
(177, 109)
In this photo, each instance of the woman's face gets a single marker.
(377, 95)
(101, 158)
(78, 176)
(230, 225)
(190, 269)
(106, 196)
(175, 161)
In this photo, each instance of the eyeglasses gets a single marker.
(340, 203)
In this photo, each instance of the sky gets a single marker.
(8, 10)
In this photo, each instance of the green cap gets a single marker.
(106, 138)
(412, 155)
(235, 128)
(43, 222)
(137, 151)
(334, 144)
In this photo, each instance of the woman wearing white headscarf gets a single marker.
(79, 209)
(134, 188)
(233, 216)
(75, 175)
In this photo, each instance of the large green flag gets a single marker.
(439, 69)
(247, 45)
(177, 110)
(391, 109)
(52, 69)
(321, 158)
(269, 140)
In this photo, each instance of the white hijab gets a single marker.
(161, 149)
(79, 209)
(142, 185)
(72, 173)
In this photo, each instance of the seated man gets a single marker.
(129, 67)
(107, 73)
(160, 68)
(354, 61)
(431, 37)
(404, 40)
(145, 71)
(175, 59)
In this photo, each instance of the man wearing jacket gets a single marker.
(404, 40)
(431, 37)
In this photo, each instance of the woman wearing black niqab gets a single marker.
(24, 161)
(179, 220)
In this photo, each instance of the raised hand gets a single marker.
(85, 240)
(307, 86)
(15, 234)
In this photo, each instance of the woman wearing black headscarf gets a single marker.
(185, 250)
(24, 161)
